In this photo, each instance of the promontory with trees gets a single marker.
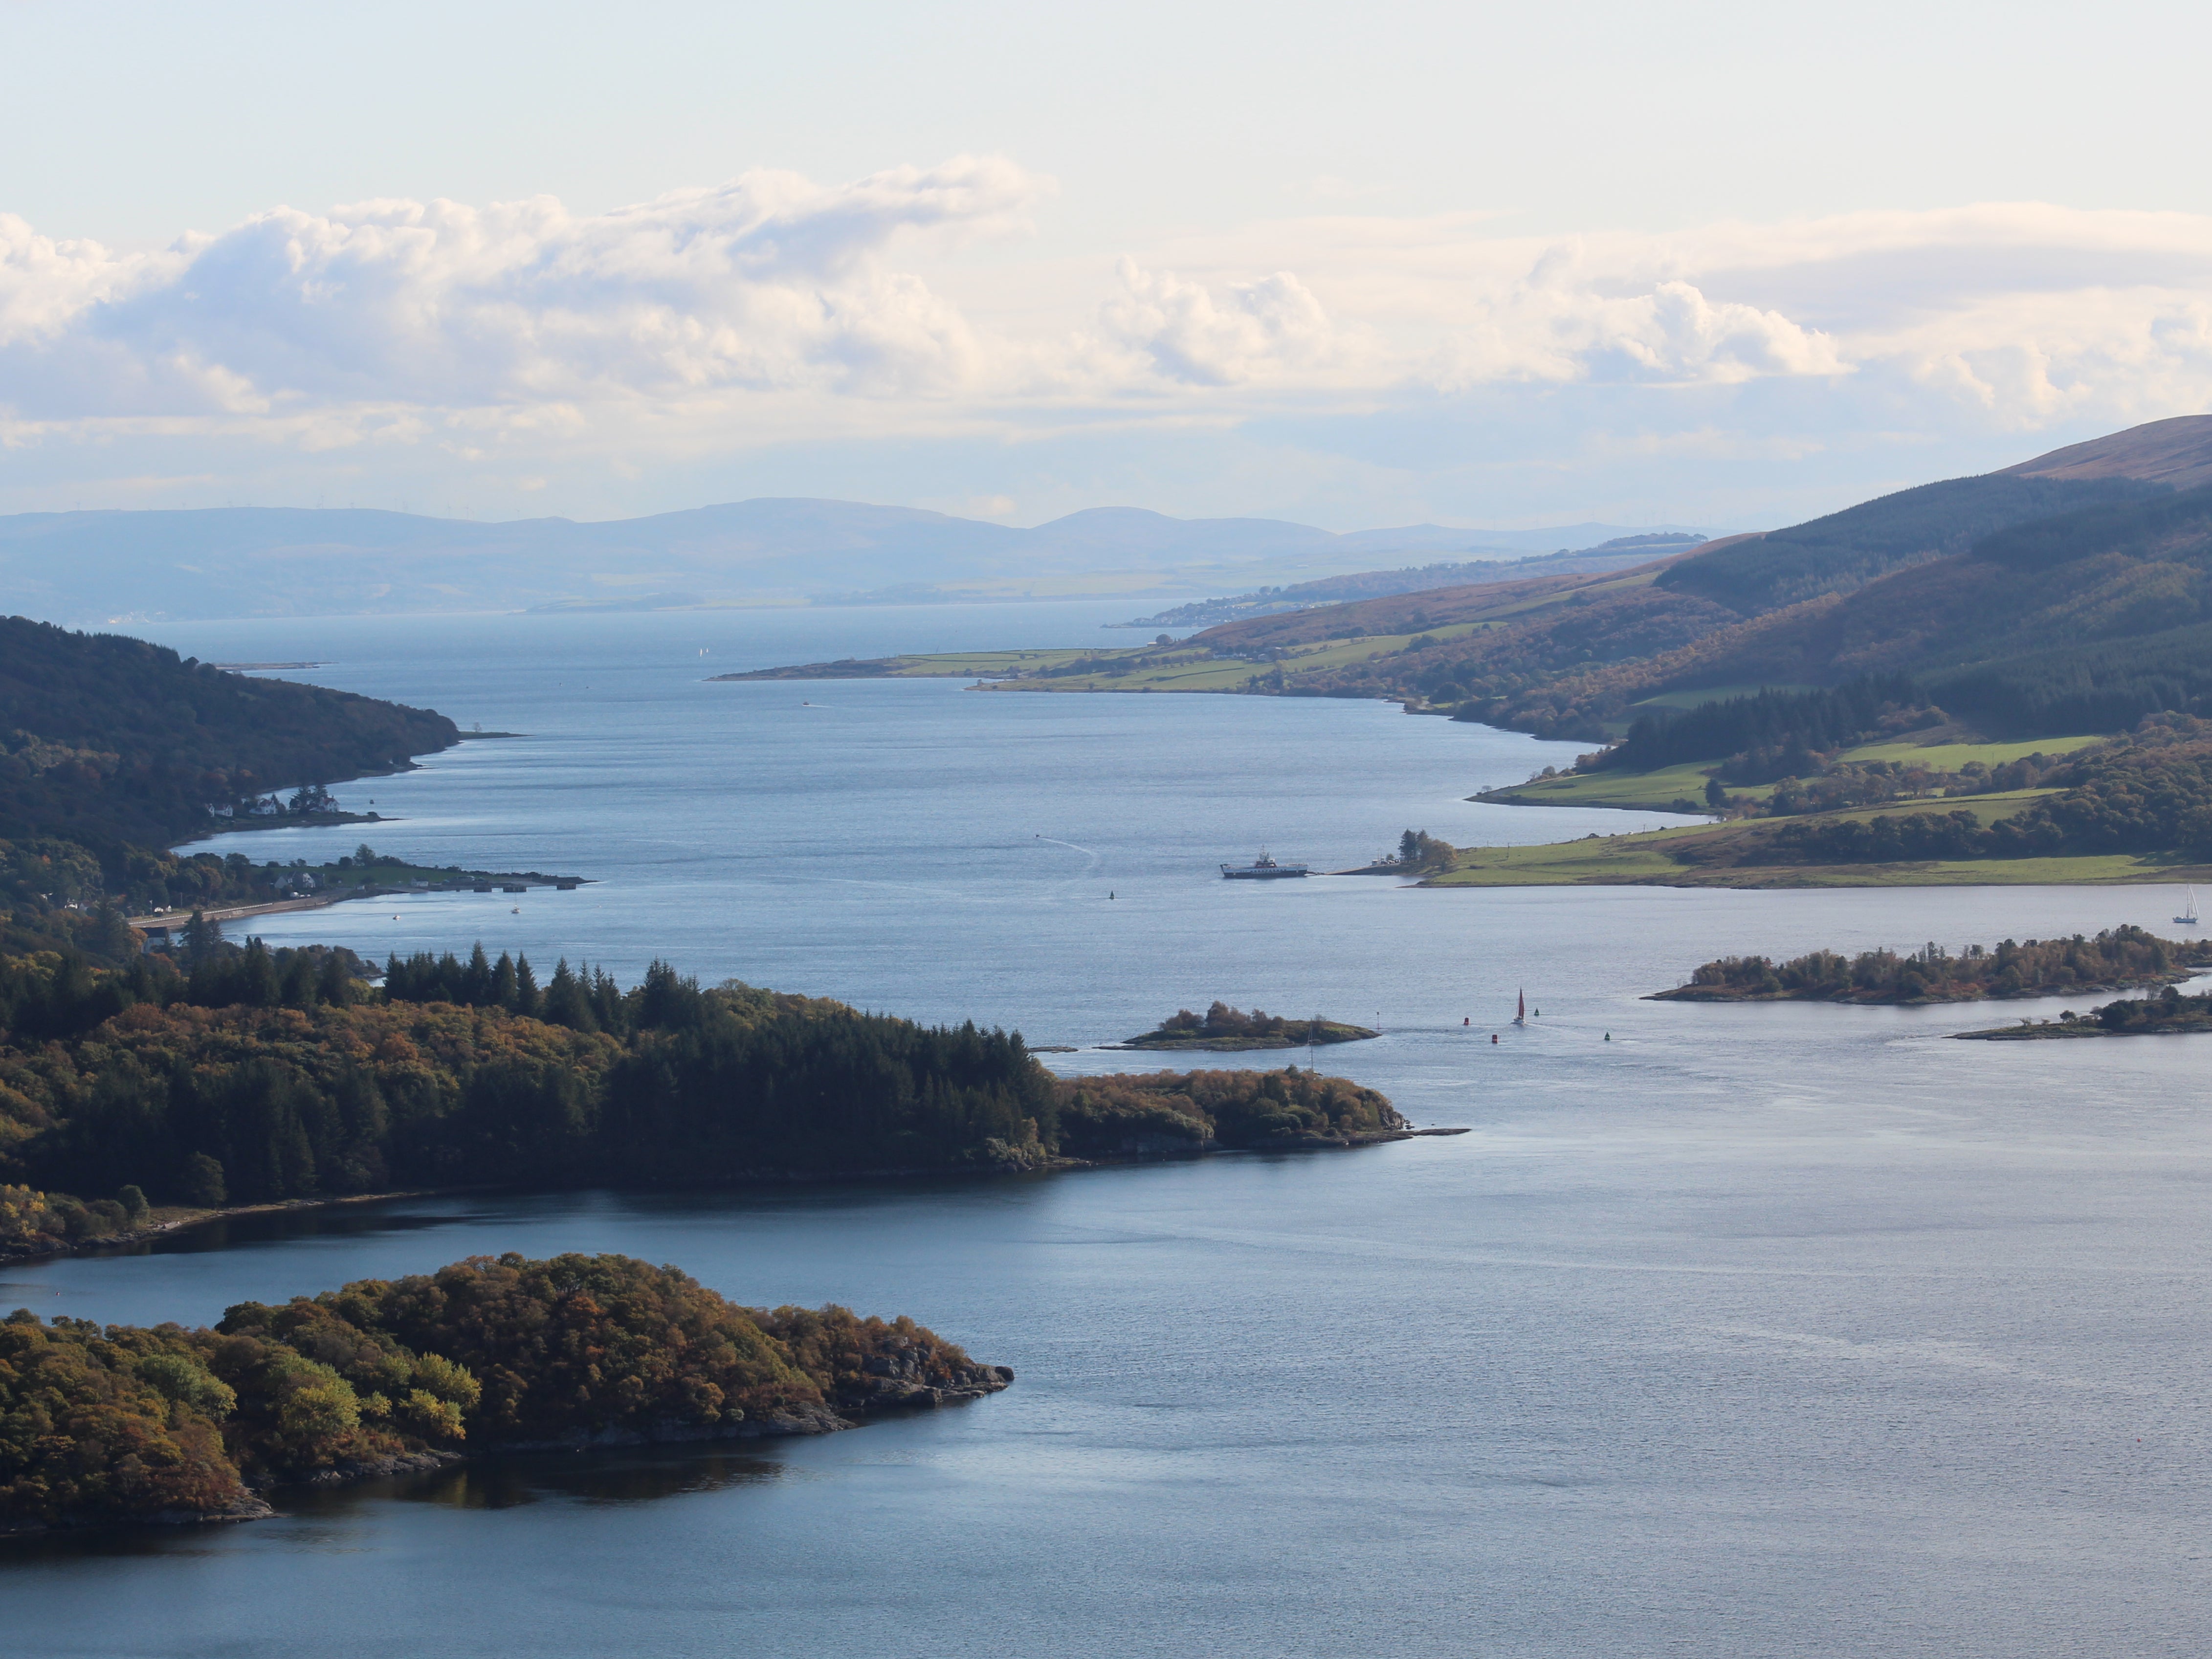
(258, 1076)
(2115, 959)
(123, 1424)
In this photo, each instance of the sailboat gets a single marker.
(2188, 917)
(1521, 1012)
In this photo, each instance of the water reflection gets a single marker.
(629, 1475)
(603, 1477)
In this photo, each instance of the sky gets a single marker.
(1501, 265)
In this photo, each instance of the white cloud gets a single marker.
(736, 320)
(1547, 330)
(767, 282)
(1255, 331)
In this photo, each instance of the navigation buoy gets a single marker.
(1469, 1020)
(1609, 1036)
(1110, 893)
(1493, 1037)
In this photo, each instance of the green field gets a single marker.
(1658, 792)
(1641, 792)
(1641, 861)
(1704, 694)
(1950, 757)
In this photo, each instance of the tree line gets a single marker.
(1767, 734)
(263, 1075)
(2121, 956)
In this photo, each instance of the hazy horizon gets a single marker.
(1609, 265)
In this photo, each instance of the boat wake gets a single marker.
(1098, 860)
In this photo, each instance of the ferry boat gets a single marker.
(1262, 868)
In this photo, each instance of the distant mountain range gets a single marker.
(124, 567)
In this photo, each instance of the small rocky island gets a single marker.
(2117, 960)
(1225, 1029)
(124, 1423)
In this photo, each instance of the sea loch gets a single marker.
(1756, 1330)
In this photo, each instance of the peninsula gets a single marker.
(134, 1095)
(2115, 959)
(123, 1424)
(1965, 683)
(113, 751)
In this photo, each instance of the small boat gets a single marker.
(1262, 868)
(1521, 1010)
(2188, 917)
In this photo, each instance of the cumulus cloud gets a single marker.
(1547, 330)
(772, 309)
(767, 282)
(1253, 331)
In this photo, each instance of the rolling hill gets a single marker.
(114, 568)
(2073, 588)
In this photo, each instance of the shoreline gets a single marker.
(1724, 993)
(1231, 1045)
(123, 1243)
(473, 882)
(2053, 1032)
(120, 1243)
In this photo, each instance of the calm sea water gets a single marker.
(1749, 1331)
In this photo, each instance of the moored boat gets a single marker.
(1262, 868)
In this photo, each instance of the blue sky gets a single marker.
(1728, 265)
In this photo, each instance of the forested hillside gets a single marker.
(109, 739)
(111, 748)
(265, 1075)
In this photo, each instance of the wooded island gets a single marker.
(121, 1423)
(1225, 1029)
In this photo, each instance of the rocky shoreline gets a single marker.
(2063, 1030)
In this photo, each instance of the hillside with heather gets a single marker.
(1561, 658)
